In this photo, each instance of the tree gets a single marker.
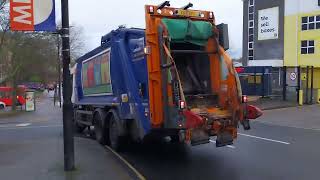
(77, 45)
(4, 20)
(26, 56)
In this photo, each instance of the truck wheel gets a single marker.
(1, 106)
(99, 129)
(175, 139)
(116, 140)
(79, 127)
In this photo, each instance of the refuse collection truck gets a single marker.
(172, 79)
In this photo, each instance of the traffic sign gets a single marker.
(293, 76)
(32, 15)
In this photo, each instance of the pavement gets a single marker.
(268, 103)
(31, 148)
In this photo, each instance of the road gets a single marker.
(282, 145)
(270, 150)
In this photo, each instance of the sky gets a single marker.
(98, 17)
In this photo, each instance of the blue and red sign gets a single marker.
(32, 15)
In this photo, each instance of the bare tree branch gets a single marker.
(4, 20)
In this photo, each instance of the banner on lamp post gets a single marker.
(32, 15)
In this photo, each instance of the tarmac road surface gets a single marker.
(270, 150)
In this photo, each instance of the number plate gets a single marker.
(182, 12)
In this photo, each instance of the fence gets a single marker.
(282, 82)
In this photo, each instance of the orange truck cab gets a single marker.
(193, 87)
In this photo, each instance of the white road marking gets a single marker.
(266, 139)
(140, 176)
(23, 124)
(229, 146)
(27, 127)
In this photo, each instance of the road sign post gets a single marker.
(67, 105)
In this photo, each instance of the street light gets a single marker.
(67, 105)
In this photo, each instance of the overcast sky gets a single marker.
(98, 17)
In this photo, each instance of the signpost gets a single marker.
(32, 15)
(293, 76)
(30, 101)
(67, 105)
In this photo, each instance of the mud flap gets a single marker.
(246, 124)
(224, 139)
(199, 136)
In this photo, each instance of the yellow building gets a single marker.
(302, 36)
(284, 34)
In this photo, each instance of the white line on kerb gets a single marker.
(140, 176)
(229, 146)
(266, 139)
(23, 124)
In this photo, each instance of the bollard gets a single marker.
(300, 97)
(318, 96)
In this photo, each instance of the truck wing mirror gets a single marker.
(223, 36)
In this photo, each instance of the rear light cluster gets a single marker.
(244, 99)
(211, 15)
(151, 10)
(182, 104)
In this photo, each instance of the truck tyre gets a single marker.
(116, 141)
(175, 139)
(99, 127)
(1, 106)
(79, 128)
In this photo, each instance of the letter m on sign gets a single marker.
(21, 15)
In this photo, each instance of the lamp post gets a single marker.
(67, 105)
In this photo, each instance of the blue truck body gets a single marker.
(128, 70)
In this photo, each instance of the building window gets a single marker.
(250, 29)
(251, 2)
(251, 38)
(307, 47)
(251, 24)
(318, 22)
(250, 52)
(310, 23)
(251, 9)
(304, 23)
(251, 17)
(250, 46)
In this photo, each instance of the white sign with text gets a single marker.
(268, 24)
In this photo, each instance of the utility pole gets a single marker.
(67, 105)
(59, 69)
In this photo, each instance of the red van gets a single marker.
(6, 95)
